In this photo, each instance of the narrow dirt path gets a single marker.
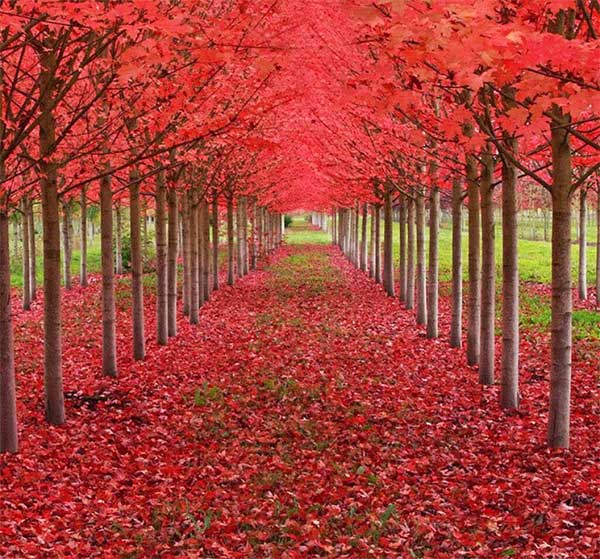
(306, 417)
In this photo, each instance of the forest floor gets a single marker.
(307, 416)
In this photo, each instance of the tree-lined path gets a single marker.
(412, 370)
(306, 417)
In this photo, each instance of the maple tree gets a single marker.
(215, 118)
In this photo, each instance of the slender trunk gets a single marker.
(421, 267)
(598, 248)
(215, 241)
(145, 232)
(239, 247)
(172, 263)
(410, 256)
(230, 243)
(201, 252)
(402, 264)
(334, 227)
(265, 220)
(26, 257)
(474, 312)
(83, 273)
(388, 239)
(187, 250)
(66, 230)
(509, 392)
(15, 239)
(259, 233)
(194, 260)
(363, 239)
(245, 259)
(433, 280)
(562, 306)
(488, 273)
(9, 441)
(206, 258)
(356, 246)
(378, 243)
(253, 234)
(32, 254)
(119, 240)
(162, 323)
(372, 244)
(55, 410)
(582, 270)
(109, 333)
(137, 267)
(457, 282)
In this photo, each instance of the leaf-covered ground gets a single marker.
(306, 417)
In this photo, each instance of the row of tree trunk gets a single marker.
(186, 228)
(418, 286)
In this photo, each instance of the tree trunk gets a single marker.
(119, 240)
(421, 266)
(145, 232)
(259, 233)
(83, 273)
(372, 244)
(245, 259)
(363, 239)
(206, 254)
(377, 243)
(410, 256)
(32, 254)
(26, 256)
(253, 259)
(488, 271)
(402, 263)
(55, 411)
(194, 260)
(388, 239)
(137, 267)
(356, 246)
(162, 323)
(509, 392)
(334, 228)
(109, 333)
(215, 241)
(9, 441)
(239, 246)
(474, 312)
(598, 248)
(66, 231)
(172, 263)
(15, 239)
(456, 324)
(187, 248)
(562, 307)
(201, 252)
(433, 280)
(230, 243)
(582, 270)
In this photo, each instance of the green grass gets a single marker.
(535, 257)
(300, 233)
(94, 263)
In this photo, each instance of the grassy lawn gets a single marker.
(535, 257)
(16, 265)
(301, 233)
